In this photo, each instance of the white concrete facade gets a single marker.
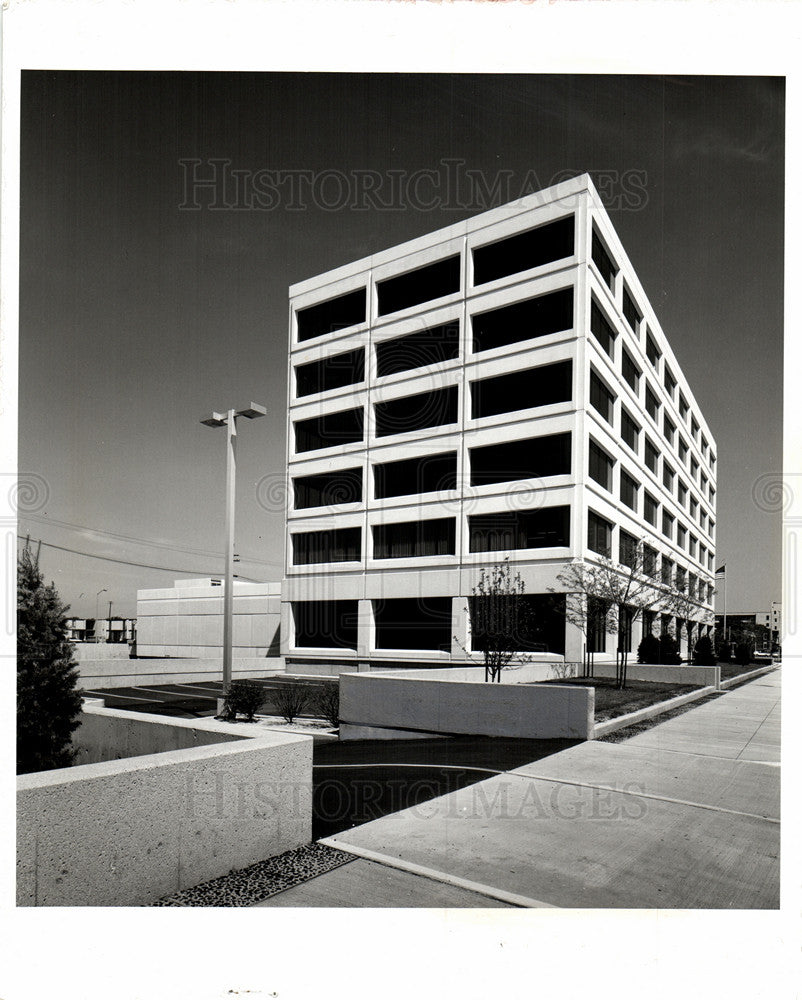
(367, 576)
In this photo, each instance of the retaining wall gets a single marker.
(127, 832)
(99, 674)
(661, 673)
(392, 707)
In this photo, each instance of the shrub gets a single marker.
(327, 703)
(291, 699)
(724, 652)
(743, 654)
(669, 649)
(703, 652)
(649, 649)
(243, 698)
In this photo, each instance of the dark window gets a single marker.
(330, 373)
(416, 350)
(667, 570)
(326, 488)
(694, 469)
(704, 446)
(538, 317)
(600, 534)
(602, 259)
(652, 352)
(601, 398)
(682, 446)
(682, 536)
(649, 561)
(631, 312)
(669, 382)
(629, 490)
(652, 405)
(629, 431)
(600, 466)
(528, 459)
(650, 509)
(554, 241)
(331, 624)
(329, 430)
(712, 462)
(626, 617)
(693, 542)
(601, 328)
(650, 456)
(668, 476)
(411, 413)
(409, 539)
(598, 615)
(336, 314)
(521, 390)
(426, 474)
(627, 549)
(680, 578)
(682, 493)
(413, 623)
(669, 430)
(421, 285)
(523, 622)
(668, 524)
(712, 495)
(329, 546)
(545, 527)
(630, 371)
(683, 406)
(703, 483)
(694, 427)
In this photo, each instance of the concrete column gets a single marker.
(366, 630)
(287, 627)
(460, 629)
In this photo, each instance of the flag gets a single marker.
(720, 569)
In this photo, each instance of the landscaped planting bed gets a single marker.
(612, 702)
(730, 670)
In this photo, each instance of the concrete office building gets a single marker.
(497, 388)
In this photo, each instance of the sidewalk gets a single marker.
(685, 815)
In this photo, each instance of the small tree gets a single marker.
(703, 655)
(291, 699)
(48, 699)
(649, 649)
(501, 620)
(669, 649)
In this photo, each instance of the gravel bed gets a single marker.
(262, 880)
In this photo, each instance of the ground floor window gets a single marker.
(413, 623)
(330, 624)
(597, 625)
(534, 622)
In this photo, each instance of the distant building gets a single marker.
(766, 626)
(104, 630)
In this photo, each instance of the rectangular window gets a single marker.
(627, 549)
(683, 406)
(545, 527)
(523, 251)
(650, 456)
(630, 371)
(631, 312)
(668, 476)
(683, 449)
(600, 465)
(703, 484)
(652, 405)
(432, 346)
(680, 578)
(694, 428)
(693, 543)
(426, 474)
(694, 508)
(652, 351)
(598, 617)
(682, 492)
(413, 413)
(329, 546)
(522, 390)
(650, 509)
(712, 495)
(669, 430)
(694, 469)
(668, 525)
(603, 260)
(600, 534)
(682, 536)
(328, 317)
(327, 488)
(629, 490)
(529, 622)
(330, 373)
(650, 561)
(526, 320)
(669, 382)
(702, 520)
(327, 624)
(413, 623)
(712, 462)
(602, 329)
(703, 555)
(432, 281)
(411, 539)
(601, 398)
(704, 447)
(531, 458)
(667, 571)
(329, 430)
(711, 527)
(629, 431)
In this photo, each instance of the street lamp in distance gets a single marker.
(229, 421)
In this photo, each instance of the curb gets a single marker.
(740, 678)
(611, 725)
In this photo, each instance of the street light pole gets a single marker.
(97, 606)
(229, 421)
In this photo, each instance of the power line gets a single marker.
(125, 562)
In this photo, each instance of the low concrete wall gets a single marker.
(127, 832)
(423, 706)
(101, 651)
(98, 674)
(522, 673)
(661, 673)
(544, 666)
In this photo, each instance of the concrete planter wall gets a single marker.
(127, 832)
(393, 707)
(661, 673)
(101, 674)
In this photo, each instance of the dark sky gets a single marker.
(139, 316)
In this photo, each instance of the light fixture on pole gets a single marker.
(229, 421)
(97, 605)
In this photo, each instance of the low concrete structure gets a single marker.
(661, 673)
(127, 832)
(100, 674)
(187, 620)
(382, 706)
